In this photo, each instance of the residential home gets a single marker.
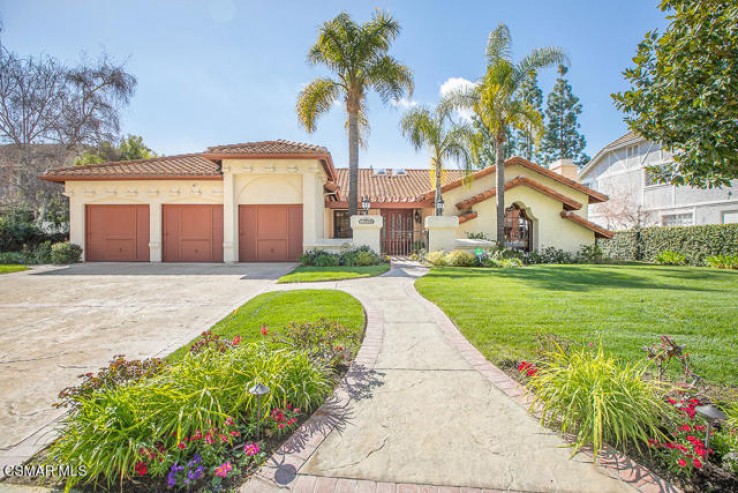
(619, 170)
(273, 200)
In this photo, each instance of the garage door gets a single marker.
(193, 233)
(117, 233)
(270, 233)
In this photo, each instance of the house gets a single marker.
(272, 200)
(619, 170)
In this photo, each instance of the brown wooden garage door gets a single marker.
(193, 233)
(117, 233)
(269, 233)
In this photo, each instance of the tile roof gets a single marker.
(599, 231)
(392, 187)
(279, 146)
(167, 167)
(569, 203)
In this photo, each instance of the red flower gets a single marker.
(223, 438)
(281, 426)
(296, 410)
(685, 427)
(181, 445)
(236, 340)
(264, 330)
(697, 464)
(531, 372)
(197, 435)
(235, 433)
(682, 463)
(229, 421)
(671, 401)
(140, 468)
(523, 366)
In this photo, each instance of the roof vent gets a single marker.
(400, 172)
(380, 172)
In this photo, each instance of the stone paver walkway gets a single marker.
(422, 410)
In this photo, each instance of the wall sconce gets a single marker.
(440, 205)
(418, 217)
(366, 204)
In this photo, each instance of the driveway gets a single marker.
(58, 323)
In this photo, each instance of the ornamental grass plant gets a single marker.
(114, 431)
(591, 395)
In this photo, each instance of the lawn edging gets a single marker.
(616, 464)
(280, 470)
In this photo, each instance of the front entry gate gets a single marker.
(399, 235)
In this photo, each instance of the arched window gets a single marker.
(518, 229)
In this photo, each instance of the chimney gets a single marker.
(566, 168)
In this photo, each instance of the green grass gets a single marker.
(318, 274)
(626, 306)
(9, 268)
(278, 308)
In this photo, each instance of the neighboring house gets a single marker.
(270, 201)
(619, 170)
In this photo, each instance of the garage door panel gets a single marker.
(193, 233)
(117, 233)
(270, 233)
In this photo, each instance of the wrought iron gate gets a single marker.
(400, 236)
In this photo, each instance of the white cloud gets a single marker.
(453, 83)
(403, 103)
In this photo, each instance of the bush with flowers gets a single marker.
(193, 420)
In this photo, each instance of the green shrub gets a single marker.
(668, 257)
(509, 263)
(696, 243)
(65, 253)
(591, 395)
(11, 258)
(461, 258)
(362, 256)
(723, 261)
(590, 254)
(112, 433)
(319, 258)
(38, 254)
(328, 343)
(549, 255)
(436, 259)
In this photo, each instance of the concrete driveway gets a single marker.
(58, 323)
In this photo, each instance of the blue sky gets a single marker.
(227, 71)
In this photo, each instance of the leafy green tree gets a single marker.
(523, 142)
(496, 101)
(358, 57)
(129, 148)
(562, 138)
(683, 92)
(444, 139)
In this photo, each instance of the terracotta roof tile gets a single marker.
(279, 146)
(599, 231)
(167, 167)
(392, 187)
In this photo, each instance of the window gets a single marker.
(730, 217)
(677, 219)
(518, 229)
(341, 224)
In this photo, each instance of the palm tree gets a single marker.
(444, 139)
(496, 101)
(358, 57)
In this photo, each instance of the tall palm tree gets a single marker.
(358, 57)
(444, 139)
(497, 103)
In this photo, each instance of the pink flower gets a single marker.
(296, 410)
(281, 426)
(223, 438)
(251, 449)
(223, 470)
(229, 421)
(181, 445)
(235, 433)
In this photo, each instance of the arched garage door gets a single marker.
(193, 233)
(117, 233)
(269, 233)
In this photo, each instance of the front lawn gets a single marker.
(9, 268)
(318, 274)
(500, 311)
(277, 309)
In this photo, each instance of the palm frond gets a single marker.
(390, 78)
(499, 44)
(316, 99)
(538, 59)
(419, 127)
(459, 98)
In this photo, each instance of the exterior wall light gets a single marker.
(366, 204)
(258, 391)
(712, 414)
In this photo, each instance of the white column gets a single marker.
(77, 219)
(366, 231)
(309, 207)
(155, 232)
(230, 217)
(441, 232)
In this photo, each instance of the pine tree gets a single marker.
(562, 138)
(523, 143)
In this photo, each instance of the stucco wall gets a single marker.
(549, 228)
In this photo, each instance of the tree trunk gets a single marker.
(353, 133)
(500, 187)
(437, 165)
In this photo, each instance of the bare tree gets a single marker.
(48, 113)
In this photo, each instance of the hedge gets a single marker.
(695, 242)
